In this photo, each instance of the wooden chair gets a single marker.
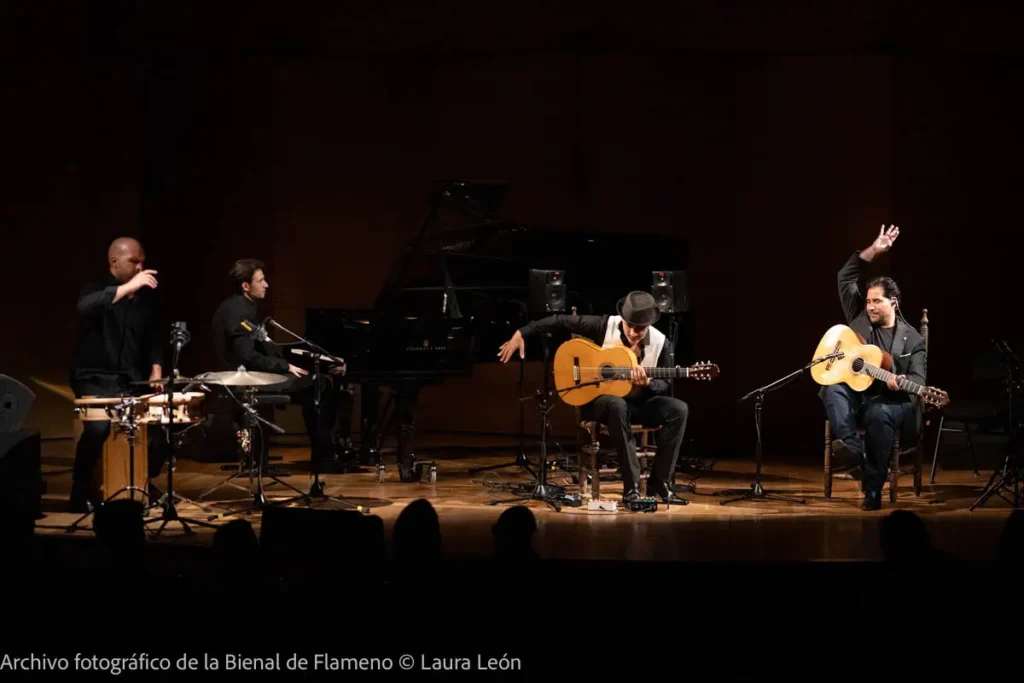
(590, 465)
(916, 450)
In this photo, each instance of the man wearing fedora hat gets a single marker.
(649, 403)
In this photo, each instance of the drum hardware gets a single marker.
(125, 410)
(179, 337)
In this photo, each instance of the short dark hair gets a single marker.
(888, 286)
(243, 270)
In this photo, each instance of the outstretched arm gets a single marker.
(850, 274)
(589, 326)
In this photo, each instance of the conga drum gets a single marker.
(114, 472)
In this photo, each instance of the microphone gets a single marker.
(179, 336)
(257, 332)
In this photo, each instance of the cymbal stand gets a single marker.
(253, 422)
(126, 420)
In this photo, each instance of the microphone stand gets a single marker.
(551, 494)
(757, 491)
(179, 337)
(316, 488)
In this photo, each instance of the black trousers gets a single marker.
(406, 395)
(89, 449)
(880, 417)
(617, 414)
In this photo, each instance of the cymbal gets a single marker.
(242, 378)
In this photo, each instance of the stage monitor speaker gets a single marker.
(669, 290)
(21, 473)
(15, 403)
(547, 292)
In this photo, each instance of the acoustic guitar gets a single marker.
(583, 371)
(858, 365)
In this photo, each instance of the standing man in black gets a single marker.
(236, 347)
(116, 344)
(883, 407)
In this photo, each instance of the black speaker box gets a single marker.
(547, 292)
(21, 475)
(669, 290)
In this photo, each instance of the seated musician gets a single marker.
(882, 408)
(648, 404)
(235, 347)
(116, 344)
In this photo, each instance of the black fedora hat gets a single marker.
(638, 308)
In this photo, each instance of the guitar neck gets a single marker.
(654, 373)
(884, 375)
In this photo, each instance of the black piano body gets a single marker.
(456, 293)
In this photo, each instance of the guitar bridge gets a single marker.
(576, 370)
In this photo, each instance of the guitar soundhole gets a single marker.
(607, 372)
(857, 364)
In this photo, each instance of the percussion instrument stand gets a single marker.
(126, 420)
(179, 337)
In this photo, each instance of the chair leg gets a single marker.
(970, 444)
(935, 454)
(595, 472)
(894, 468)
(918, 467)
(828, 460)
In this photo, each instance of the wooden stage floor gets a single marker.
(820, 530)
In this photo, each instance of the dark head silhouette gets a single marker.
(513, 534)
(417, 537)
(237, 548)
(1011, 541)
(120, 532)
(905, 538)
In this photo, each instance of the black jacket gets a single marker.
(235, 346)
(908, 353)
(593, 327)
(116, 338)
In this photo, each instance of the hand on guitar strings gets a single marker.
(639, 376)
(893, 382)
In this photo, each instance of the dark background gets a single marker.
(774, 138)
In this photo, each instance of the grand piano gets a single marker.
(460, 287)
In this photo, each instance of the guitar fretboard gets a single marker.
(626, 373)
(884, 375)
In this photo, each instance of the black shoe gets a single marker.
(667, 495)
(846, 456)
(631, 495)
(84, 499)
(872, 500)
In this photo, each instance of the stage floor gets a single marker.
(819, 530)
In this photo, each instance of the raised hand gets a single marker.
(885, 239)
(516, 343)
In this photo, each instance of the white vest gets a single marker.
(651, 353)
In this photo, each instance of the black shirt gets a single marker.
(235, 346)
(882, 337)
(116, 339)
